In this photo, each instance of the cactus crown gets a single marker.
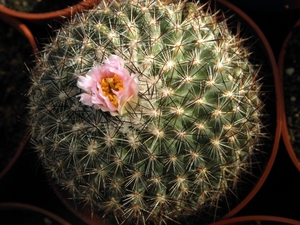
(186, 139)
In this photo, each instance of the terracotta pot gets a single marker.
(285, 130)
(267, 5)
(261, 219)
(23, 29)
(59, 14)
(20, 213)
(16, 155)
(276, 103)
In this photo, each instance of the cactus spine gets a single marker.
(189, 137)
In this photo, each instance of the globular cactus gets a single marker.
(169, 128)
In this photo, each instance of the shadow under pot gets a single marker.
(138, 118)
(17, 52)
(289, 69)
(44, 10)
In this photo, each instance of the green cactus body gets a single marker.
(187, 140)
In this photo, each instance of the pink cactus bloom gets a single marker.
(109, 87)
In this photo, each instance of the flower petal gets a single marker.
(115, 61)
(86, 99)
(85, 83)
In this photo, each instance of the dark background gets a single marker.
(279, 195)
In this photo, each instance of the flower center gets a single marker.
(112, 83)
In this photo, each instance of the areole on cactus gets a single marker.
(146, 111)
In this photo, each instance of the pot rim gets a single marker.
(285, 131)
(58, 14)
(279, 100)
(24, 30)
(15, 156)
(17, 205)
(268, 218)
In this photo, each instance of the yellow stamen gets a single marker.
(109, 84)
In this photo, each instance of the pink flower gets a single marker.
(109, 87)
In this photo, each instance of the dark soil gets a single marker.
(38, 6)
(15, 53)
(291, 80)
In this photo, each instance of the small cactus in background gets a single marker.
(145, 111)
